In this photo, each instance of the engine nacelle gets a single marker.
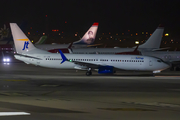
(105, 69)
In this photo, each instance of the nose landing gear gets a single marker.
(88, 73)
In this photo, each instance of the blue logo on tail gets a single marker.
(26, 43)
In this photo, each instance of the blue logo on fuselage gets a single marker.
(26, 43)
(139, 58)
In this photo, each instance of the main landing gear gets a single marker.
(88, 73)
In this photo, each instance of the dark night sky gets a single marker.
(112, 15)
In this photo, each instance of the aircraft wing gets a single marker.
(94, 45)
(89, 65)
(159, 49)
(93, 66)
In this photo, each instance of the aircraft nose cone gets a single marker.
(167, 65)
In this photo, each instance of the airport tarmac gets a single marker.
(70, 95)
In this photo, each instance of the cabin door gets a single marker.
(150, 62)
(38, 61)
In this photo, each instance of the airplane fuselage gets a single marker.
(122, 62)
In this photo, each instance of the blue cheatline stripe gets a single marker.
(63, 56)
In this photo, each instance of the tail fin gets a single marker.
(22, 44)
(154, 40)
(41, 40)
(89, 36)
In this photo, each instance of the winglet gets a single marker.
(70, 48)
(70, 45)
(63, 56)
(135, 50)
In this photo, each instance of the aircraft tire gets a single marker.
(88, 73)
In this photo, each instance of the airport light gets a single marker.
(136, 42)
(6, 60)
(166, 34)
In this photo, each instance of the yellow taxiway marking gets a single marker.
(126, 109)
(16, 80)
(46, 85)
(11, 94)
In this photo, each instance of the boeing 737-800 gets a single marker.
(25, 51)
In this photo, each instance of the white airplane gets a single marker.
(25, 51)
(171, 57)
(87, 39)
(152, 44)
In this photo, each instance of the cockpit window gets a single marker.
(159, 61)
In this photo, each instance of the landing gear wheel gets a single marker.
(88, 73)
(153, 74)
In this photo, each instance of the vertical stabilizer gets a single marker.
(22, 43)
(154, 40)
(42, 40)
(89, 36)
